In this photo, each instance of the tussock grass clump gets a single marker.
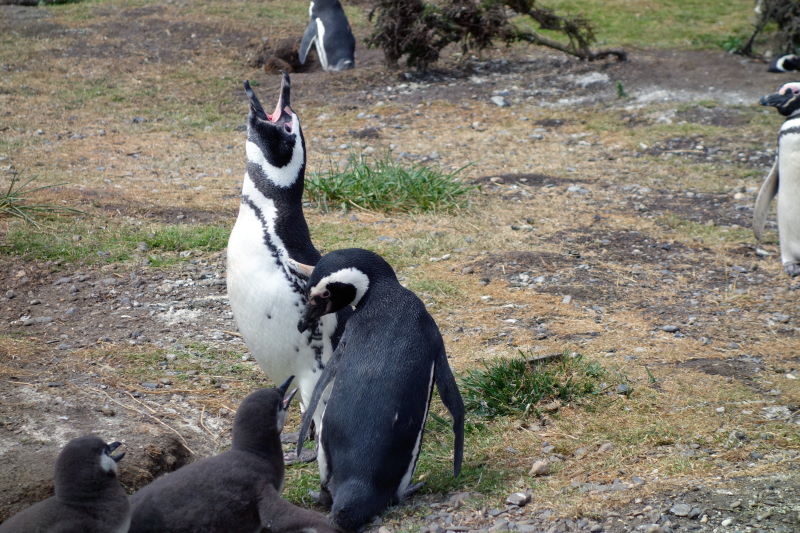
(383, 184)
(16, 201)
(513, 387)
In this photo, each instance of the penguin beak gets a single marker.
(285, 386)
(314, 310)
(111, 447)
(283, 112)
(288, 399)
(255, 105)
(776, 99)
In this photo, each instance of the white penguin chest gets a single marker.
(267, 306)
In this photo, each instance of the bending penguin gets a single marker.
(235, 491)
(390, 355)
(330, 31)
(267, 297)
(88, 498)
(783, 180)
(785, 63)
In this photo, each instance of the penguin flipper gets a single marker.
(327, 375)
(448, 391)
(279, 516)
(309, 37)
(765, 195)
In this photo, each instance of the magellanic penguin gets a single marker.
(784, 179)
(390, 355)
(236, 491)
(266, 295)
(88, 495)
(330, 31)
(785, 63)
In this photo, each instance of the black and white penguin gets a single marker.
(330, 31)
(235, 491)
(785, 63)
(786, 172)
(267, 297)
(88, 498)
(390, 355)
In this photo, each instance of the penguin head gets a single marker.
(86, 464)
(275, 142)
(786, 100)
(341, 278)
(785, 63)
(261, 416)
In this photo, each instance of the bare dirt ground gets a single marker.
(612, 220)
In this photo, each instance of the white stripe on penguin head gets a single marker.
(351, 276)
(281, 176)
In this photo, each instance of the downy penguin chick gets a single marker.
(390, 355)
(330, 31)
(235, 491)
(783, 180)
(265, 294)
(88, 495)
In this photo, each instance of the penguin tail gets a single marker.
(355, 504)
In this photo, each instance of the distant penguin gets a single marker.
(88, 499)
(390, 355)
(784, 179)
(785, 63)
(235, 491)
(265, 294)
(330, 31)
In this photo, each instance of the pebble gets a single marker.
(499, 101)
(726, 522)
(500, 525)
(107, 411)
(539, 468)
(519, 499)
(681, 509)
(10, 294)
(605, 447)
(670, 328)
(624, 389)
(30, 321)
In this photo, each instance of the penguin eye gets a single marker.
(325, 294)
(287, 127)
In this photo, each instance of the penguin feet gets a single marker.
(793, 269)
(290, 438)
(322, 497)
(307, 455)
(412, 489)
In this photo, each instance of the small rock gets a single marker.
(519, 499)
(624, 389)
(107, 411)
(653, 528)
(30, 321)
(539, 468)
(670, 328)
(566, 299)
(10, 294)
(499, 101)
(726, 522)
(681, 509)
(384, 529)
(500, 525)
(148, 385)
(55, 384)
(605, 447)
(695, 513)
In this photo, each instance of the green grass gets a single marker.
(91, 241)
(707, 233)
(383, 184)
(665, 23)
(514, 387)
(16, 201)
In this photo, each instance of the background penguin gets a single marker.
(784, 179)
(266, 296)
(238, 490)
(88, 495)
(385, 366)
(330, 31)
(786, 63)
